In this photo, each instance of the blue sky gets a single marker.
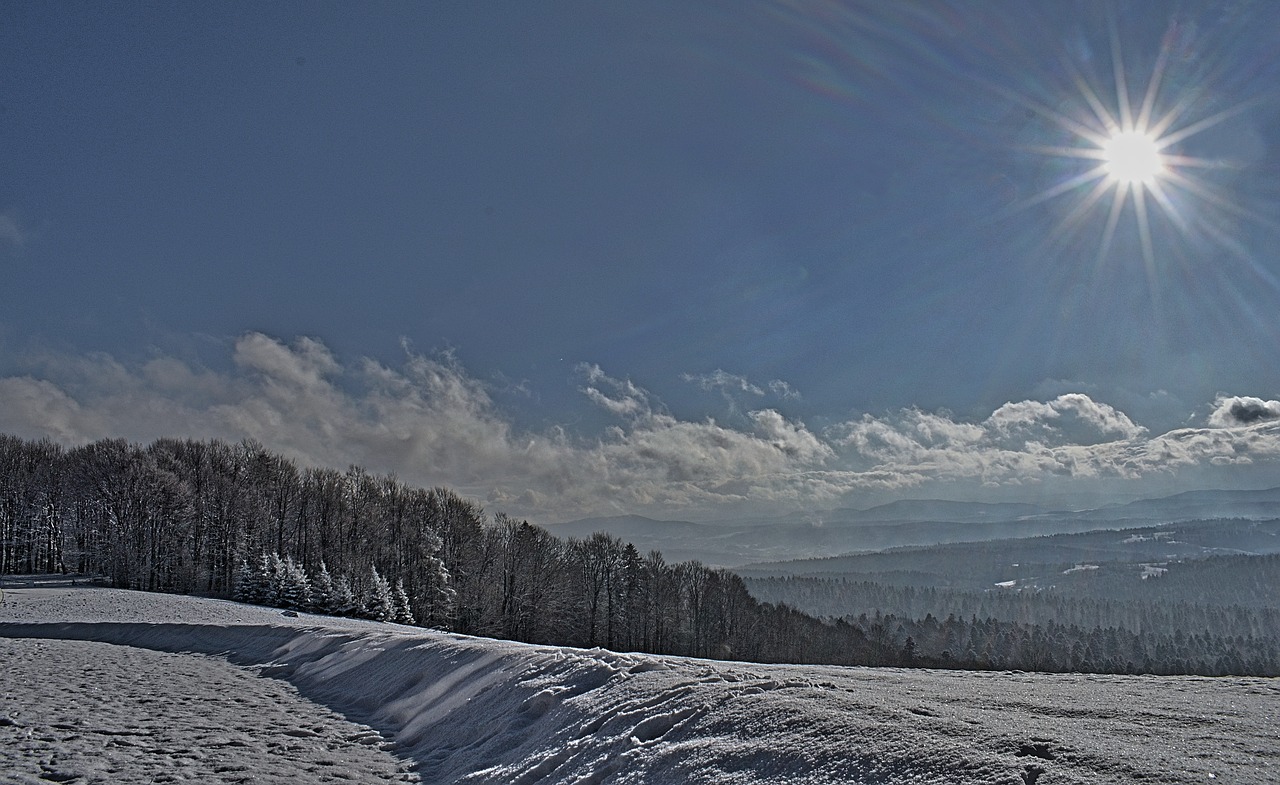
(682, 259)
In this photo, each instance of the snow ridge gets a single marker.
(468, 710)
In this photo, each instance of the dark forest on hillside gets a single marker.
(1152, 628)
(238, 520)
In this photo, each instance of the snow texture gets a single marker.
(180, 697)
(78, 711)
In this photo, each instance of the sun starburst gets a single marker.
(1131, 152)
(1133, 157)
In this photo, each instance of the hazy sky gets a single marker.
(676, 258)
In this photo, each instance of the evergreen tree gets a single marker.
(907, 658)
(295, 589)
(247, 586)
(401, 613)
(436, 589)
(344, 599)
(277, 578)
(378, 602)
(262, 581)
(323, 593)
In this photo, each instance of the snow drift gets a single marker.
(468, 710)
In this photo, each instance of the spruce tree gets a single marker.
(344, 599)
(295, 589)
(261, 594)
(401, 613)
(323, 597)
(247, 588)
(277, 577)
(378, 602)
(434, 589)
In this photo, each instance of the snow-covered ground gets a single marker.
(77, 711)
(181, 697)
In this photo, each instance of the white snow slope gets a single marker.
(180, 697)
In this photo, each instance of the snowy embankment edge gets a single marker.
(497, 696)
(474, 710)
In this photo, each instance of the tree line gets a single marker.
(236, 520)
(283, 583)
(1049, 630)
(207, 517)
(1186, 596)
(991, 644)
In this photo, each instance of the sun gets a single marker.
(1129, 150)
(1132, 157)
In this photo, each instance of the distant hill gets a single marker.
(716, 544)
(922, 522)
(937, 510)
(1196, 505)
(1039, 561)
(631, 526)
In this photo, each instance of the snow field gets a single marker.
(468, 710)
(87, 712)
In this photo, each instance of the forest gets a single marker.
(236, 520)
(1149, 631)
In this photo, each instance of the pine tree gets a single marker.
(378, 602)
(435, 589)
(907, 658)
(261, 594)
(277, 576)
(400, 610)
(247, 588)
(344, 599)
(323, 593)
(295, 589)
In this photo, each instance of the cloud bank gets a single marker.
(432, 423)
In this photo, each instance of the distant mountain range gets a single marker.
(937, 510)
(1193, 505)
(907, 523)
(1058, 559)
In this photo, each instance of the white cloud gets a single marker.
(783, 390)
(618, 396)
(36, 408)
(1073, 417)
(734, 389)
(1028, 442)
(723, 381)
(1229, 411)
(432, 423)
(791, 438)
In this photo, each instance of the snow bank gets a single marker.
(467, 710)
